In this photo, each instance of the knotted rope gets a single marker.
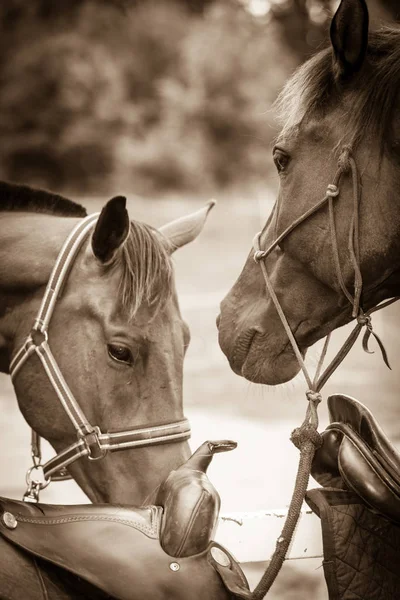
(306, 437)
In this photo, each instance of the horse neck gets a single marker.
(29, 245)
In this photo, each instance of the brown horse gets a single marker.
(341, 126)
(108, 365)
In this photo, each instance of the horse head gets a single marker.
(115, 343)
(334, 249)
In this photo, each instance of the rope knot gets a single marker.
(332, 190)
(259, 255)
(306, 433)
(364, 319)
(344, 159)
(314, 397)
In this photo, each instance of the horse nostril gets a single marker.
(218, 320)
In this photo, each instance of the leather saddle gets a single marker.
(357, 455)
(148, 553)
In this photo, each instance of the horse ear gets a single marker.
(349, 37)
(182, 231)
(112, 229)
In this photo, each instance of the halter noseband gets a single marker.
(306, 437)
(346, 163)
(91, 441)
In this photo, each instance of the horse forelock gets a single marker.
(146, 270)
(312, 90)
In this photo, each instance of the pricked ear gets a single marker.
(184, 230)
(112, 229)
(349, 37)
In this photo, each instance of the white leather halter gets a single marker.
(91, 441)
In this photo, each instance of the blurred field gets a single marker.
(259, 474)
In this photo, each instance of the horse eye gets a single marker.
(121, 354)
(281, 160)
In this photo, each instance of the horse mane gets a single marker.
(313, 89)
(22, 198)
(146, 270)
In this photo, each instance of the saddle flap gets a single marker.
(356, 455)
(325, 467)
(364, 475)
(347, 410)
(117, 549)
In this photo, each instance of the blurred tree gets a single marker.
(163, 94)
(196, 7)
(304, 24)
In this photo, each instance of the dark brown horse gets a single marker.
(116, 336)
(341, 126)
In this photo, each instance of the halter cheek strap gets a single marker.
(91, 441)
(346, 164)
(306, 437)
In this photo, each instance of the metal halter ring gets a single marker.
(40, 483)
(38, 333)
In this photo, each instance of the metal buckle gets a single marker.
(92, 443)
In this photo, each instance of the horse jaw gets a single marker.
(105, 481)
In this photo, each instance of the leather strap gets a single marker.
(122, 440)
(91, 441)
(306, 437)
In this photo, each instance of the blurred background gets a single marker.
(150, 95)
(170, 103)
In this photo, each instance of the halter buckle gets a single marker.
(92, 443)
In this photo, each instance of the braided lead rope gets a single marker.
(306, 438)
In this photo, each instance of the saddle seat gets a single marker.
(146, 553)
(357, 455)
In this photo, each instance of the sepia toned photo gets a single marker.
(199, 237)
